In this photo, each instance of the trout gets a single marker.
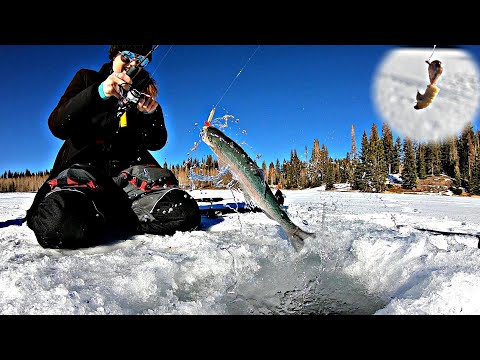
(252, 182)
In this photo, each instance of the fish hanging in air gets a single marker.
(435, 69)
(252, 181)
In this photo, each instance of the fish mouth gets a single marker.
(204, 135)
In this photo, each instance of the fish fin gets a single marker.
(419, 97)
(420, 101)
(297, 238)
(249, 202)
(221, 164)
(261, 175)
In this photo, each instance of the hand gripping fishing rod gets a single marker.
(132, 96)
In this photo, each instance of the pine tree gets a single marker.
(471, 154)
(314, 171)
(329, 175)
(433, 156)
(388, 147)
(278, 173)
(466, 153)
(294, 170)
(454, 161)
(353, 151)
(397, 156)
(409, 171)
(377, 161)
(324, 163)
(475, 180)
(284, 172)
(362, 170)
(345, 170)
(352, 159)
(420, 161)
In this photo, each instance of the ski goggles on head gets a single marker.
(128, 56)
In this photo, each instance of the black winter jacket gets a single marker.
(91, 131)
(90, 128)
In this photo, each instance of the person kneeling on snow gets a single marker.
(279, 196)
(105, 183)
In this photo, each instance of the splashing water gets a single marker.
(217, 180)
(195, 145)
(221, 122)
(223, 180)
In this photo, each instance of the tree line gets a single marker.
(24, 181)
(365, 169)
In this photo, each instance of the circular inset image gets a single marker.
(404, 72)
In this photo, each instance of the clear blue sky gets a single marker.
(286, 96)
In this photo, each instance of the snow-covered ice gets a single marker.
(368, 258)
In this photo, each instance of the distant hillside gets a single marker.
(440, 184)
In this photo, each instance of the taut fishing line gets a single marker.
(163, 58)
(236, 77)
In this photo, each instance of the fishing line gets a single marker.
(212, 112)
(236, 77)
(434, 46)
(164, 56)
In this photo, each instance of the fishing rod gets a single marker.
(161, 61)
(132, 96)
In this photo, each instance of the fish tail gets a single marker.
(427, 98)
(419, 96)
(297, 238)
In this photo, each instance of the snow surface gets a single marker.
(368, 258)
